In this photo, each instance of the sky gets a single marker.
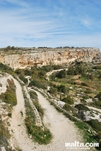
(50, 23)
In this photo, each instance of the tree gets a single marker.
(77, 68)
(61, 74)
(62, 88)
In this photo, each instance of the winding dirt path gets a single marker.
(19, 135)
(63, 129)
(48, 74)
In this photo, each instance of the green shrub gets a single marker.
(33, 95)
(61, 74)
(96, 103)
(77, 68)
(46, 68)
(67, 107)
(23, 78)
(42, 135)
(62, 88)
(27, 72)
(21, 75)
(53, 90)
(37, 83)
(38, 134)
(39, 108)
(7, 69)
(98, 96)
(9, 96)
(68, 100)
(95, 124)
(81, 107)
(4, 136)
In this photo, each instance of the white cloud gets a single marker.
(86, 22)
(17, 2)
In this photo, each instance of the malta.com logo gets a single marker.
(78, 145)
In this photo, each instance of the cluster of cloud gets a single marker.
(50, 23)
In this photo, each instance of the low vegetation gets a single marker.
(9, 96)
(4, 136)
(42, 135)
(81, 107)
(33, 95)
(82, 83)
(6, 69)
(39, 134)
(34, 98)
(95, 125)
(68, 100)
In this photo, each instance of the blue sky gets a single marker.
(50, 23)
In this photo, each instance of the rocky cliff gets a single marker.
(26, 57)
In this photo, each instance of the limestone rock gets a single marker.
(24, 57)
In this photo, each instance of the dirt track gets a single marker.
(63, 130)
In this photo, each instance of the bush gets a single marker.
(81, 107)
(6, 69)
(67, 107)
(40, 135)
(39, 108)
(33, 95)
(98, 96)
(9, 97)
(96, 103)
(27, 72)
(52, 90)
(38, 84)
(23, 78)
(62, 88)
(77, 68)
(95, 124)
(4, 136)
(61, 74)
(68, 100)
(47, 68)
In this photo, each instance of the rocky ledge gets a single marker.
(26, 57)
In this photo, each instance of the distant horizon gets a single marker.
(47, 47)
(50, 23)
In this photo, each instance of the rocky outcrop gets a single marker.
(97, 58)
(24, 57)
